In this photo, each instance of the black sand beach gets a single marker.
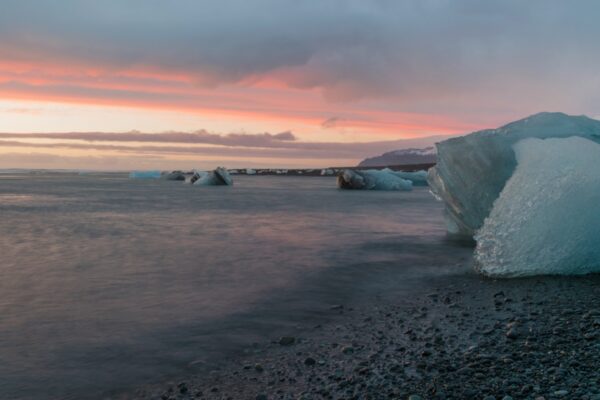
(467, 338)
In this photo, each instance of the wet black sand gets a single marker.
(467, 337)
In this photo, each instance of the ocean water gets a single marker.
(110, 283)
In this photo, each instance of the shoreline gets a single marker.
(467, 337)
(258, 171)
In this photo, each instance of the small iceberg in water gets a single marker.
(145, 174)
(155, 174)
(173, 176)
(219, 177)
(418, 178)
(372, 180)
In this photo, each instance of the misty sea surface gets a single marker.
(110, 283)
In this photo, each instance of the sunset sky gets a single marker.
(282, 83)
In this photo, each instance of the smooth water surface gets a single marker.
(108, 283)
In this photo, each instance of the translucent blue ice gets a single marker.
(145, 174)
(418, 178)
(473, 169)
(545, 220)
(373, 179)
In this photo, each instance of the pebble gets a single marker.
(472, 352)
(310, 361)
(512, 333)
(287, 340)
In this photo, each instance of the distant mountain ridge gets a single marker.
(426, 155)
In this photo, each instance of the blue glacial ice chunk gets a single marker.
(145, 175)
(418, 178)
(472, 170)
(372, 179)
(545, 220)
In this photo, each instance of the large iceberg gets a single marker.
(372, 180)
(545, 219)
(473, 169)
(218, 177)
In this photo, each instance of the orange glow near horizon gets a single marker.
(267, 100)
(56, 97)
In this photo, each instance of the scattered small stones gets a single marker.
(450, 344)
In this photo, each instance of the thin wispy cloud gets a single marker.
(331, 122)
(199, 137)
(280, 145)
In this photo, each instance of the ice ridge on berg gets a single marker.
(472, 170)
